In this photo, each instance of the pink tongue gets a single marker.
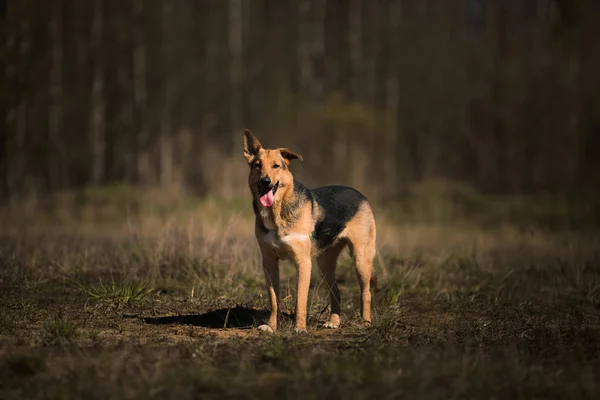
(267, 199)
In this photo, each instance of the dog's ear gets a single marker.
(251, 145)
(288, 155)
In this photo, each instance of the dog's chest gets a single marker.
(287, 244)
(283, 240)
(267, 219)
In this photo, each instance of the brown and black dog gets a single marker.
(296, 223)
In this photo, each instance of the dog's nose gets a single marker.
(265, 181)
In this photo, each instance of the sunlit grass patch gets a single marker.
(59, 329)
(116, 294)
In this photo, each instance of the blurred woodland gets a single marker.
(501, 95)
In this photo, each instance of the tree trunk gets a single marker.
(392, 101)
(98, 106)
(496, 174)
(11, 90)
(166, 126)
(305, 67)
(318, 51)
(56, 157)
(311, 48)
(355, 28)
(236, 106)
(18, 163)
(372, 54)
(125, 145)
(140, 94)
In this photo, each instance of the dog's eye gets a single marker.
(257, 165)
(276, 166)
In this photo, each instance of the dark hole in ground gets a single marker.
(236, 317)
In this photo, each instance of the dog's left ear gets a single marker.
(289, 155)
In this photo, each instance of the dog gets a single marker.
(297, 223)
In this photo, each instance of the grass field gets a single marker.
(112, 299)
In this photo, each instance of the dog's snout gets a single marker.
(265, 181)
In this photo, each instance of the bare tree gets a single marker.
(311, 48)
(18, 158)
(355, 27)
(125, 145)
(56, 162)
(392, 97)
(98, 106)
(318, 50)
(140, 93)
(235, 65)
(305, 67)
(77, 103)
(496, 149)
(166, 125)
(10, 54)
(372, 49)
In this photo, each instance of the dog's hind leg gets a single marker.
(327, 262)
(361, 235)
(363, 261)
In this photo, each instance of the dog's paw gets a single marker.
(300, 330)
(266, 329)
(330, 325)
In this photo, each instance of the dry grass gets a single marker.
(161, 304)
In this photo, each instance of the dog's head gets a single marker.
(270, 177)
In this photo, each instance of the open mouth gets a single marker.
(267, 194)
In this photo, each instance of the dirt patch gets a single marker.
(92, 316)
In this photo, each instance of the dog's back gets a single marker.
(336, 206)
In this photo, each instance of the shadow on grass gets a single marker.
(236, 317)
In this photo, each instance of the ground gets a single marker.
(165, 304)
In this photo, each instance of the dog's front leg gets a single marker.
(303, 267)
(299, 246)
(271, 270)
